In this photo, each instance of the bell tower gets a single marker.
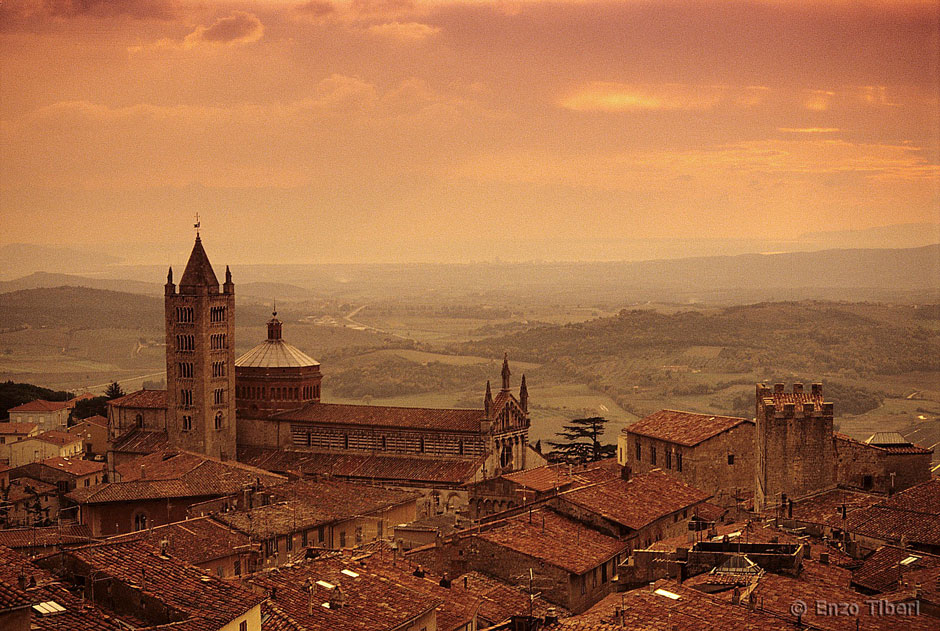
(200, 358)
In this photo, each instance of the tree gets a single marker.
(580, 440)
(90, 407)
(114, 390)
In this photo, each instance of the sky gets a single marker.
(400, 131)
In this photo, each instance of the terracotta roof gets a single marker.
(56, 437)
(45, 536)
(174, 474)
(19, 489)
(914, 514)
(542, 479)
(280, 518)
(455, 420)
(139, 441)
(706, 511)
(275, 354)
(684, 428)
(141, 399)
(371, 601)
(179, 586)
(73, 466)
(12, 598)
(458, 606)
(883, 570)
(97, 419)
(17, 428)
(826, 507)
(198, 272)
(539, 535)
(198, 540)
(499, 601)
(639, 501)
(908, 448)
(669, 606)
(79, 615)
(776, 594)
(363, 466)
(750, 532)
(41, 405)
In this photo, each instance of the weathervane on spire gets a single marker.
(196, 225)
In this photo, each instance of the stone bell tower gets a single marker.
(200, 358)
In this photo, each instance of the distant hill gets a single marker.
(86, 308)
(45, 279)
(21, 258)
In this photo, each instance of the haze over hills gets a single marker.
(860, 274)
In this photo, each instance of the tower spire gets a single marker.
(524, 395)
(488, 400)
(506, 372)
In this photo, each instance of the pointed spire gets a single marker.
(524, 395)
(487, 400)
(506, 372)
(198, 272)
(228, 274)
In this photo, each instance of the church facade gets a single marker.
(269, 399)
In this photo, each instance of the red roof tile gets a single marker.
(371, 601)
(74, 466)
(684, 428)
(141, 399)
(12, 598)
(882, 571)
(454, 420)
(639, 501)
(542, 479)
(198, 540)
(539, 535)
(913, 513)
(97, 419)
(41, 405)
(45, 536)
(139, 441)
(56, 437)
(17, 428)
(826, 507)
(499, 601)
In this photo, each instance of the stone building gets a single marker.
(709, 452)
(794, 443)
(48, 415)
(200, 358)
(49, 444)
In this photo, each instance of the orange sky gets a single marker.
(393, 130)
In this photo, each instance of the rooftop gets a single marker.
(826, 507)
(913, 514)
(198, 540)
(887, 567)
(499, 601)
(365, 466)
(181, 587)
(455, 420)
(97, 419)
(17, 428)
(56, 437)
(198, 272)
(140, 441)
(370, 601)
(45, 536)
(141, 399)
(684, 428)
(538, 534)
(41, 405)
(639, 501)
(275, 354)
(74, 466)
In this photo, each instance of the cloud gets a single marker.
(405, 31)
(238, 28)
(604, 96)
(316, 8)
(140, 9)
(808, 130)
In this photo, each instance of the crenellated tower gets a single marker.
(200, 358)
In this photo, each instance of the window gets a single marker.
(342, 539)
(358, 535)
(639, 451)
(237, 569)
(217, 314)
(730, 458)
(185, 343)
(140, 521)
(185, 314)
(460, 447)
(678, 461)
(303, 539)
(218, 369)
(187, 423)
(218, 420)
(604, 573)
(421, 445)
(652, 455)
(218, 397)
(668, 455)
(186, 398)
(186, 370)
(583, 583)
(290, 542)
(243, 625)
(320, 534)
(380, 529)
(345, 441)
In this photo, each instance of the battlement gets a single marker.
(779, 403)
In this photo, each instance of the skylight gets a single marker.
(911, 559)
(349, 573)
(667, 594)
(48, 608)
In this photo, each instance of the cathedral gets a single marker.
(268, 400)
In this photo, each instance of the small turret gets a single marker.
(524, 395)
(488, 401)
(506, 372)
(274, 328)
(169, 288)
(229, 286)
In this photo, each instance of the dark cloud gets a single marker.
(238, 27)
(317, 8)
(140, 9)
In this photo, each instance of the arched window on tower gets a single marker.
(218, 420)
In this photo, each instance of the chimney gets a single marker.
(337, 598)
(164, 545)
(143, 472)
(817, 389)
(551, 616)
(21, 581)
(824, 558)
(797, 388)
(736, 596)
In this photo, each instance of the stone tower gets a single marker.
(795, 452)
(200, 359)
